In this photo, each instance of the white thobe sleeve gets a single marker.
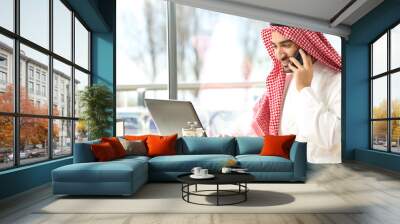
(320, 117)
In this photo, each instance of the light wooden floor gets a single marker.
(378, 188)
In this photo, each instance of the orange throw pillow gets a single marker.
(103, 152)
(161, 145)
(116, 145)
(277, 145)
(136, 137)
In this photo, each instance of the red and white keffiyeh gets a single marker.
(267, 111)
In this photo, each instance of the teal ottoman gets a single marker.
(118, 177)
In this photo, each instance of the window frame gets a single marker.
(388, 74)
(16, 115)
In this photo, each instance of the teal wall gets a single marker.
(102, 57)
(24, 178)
(103, 53)
(356, 101)
(99, 16)
(102, 63)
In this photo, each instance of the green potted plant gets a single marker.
(96, 102)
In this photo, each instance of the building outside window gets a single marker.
(3, 61)
(38, 89)
(3, 72)
(55, 101)
(30, 72)
(3, 78)
(43, 90)
(30, 87)
(37, 75)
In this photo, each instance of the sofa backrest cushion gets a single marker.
(161, 145)
(136, 137)
(116, 145)
(134, 147)
(83, 152)
(206, 145)
(249, 145)
(277, 145)
(104, 151)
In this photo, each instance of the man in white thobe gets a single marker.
(303, 99)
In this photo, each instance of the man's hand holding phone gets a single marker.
(302, 71)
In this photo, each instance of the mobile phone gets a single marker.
(298, 57)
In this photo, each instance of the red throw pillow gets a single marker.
(277, 145)
(116, 145)
(103, 152)
(161, 145)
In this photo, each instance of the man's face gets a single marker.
(283, 49)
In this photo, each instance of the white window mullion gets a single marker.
(171, 42)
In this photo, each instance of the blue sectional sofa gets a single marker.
(125, 176)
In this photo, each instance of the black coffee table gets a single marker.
(238, 179)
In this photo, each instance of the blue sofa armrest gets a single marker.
(83, 152)
(298, 155)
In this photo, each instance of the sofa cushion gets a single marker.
(134, 147)
(207, 145)
(136, 137)
(116, 145)
(161, 145)
(249, 145)
(111, 171)
(133, 158)
(103, 152)
(257, 163)
(185, 163)
(277, 145)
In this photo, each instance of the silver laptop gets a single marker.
(170, 116)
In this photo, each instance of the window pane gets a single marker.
(395, 47)
(34, 72)
(143, 54)
(62, 138)
(33, 139)
(395, 94)
(133, 113)
(379, 135)
(35, 21)
(81, 45)
(6, 142)
(395, 138)
(7, 14)
(81, 131)
(203, 78)
(379, 98)
(6, 74)
(379, 55)
(81, 81)
(62, 89)
(62, 29)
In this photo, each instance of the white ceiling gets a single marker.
(319, 9)
(318, 15)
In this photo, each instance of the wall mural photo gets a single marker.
(241, 81)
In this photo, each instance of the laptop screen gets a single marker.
(170, 116)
